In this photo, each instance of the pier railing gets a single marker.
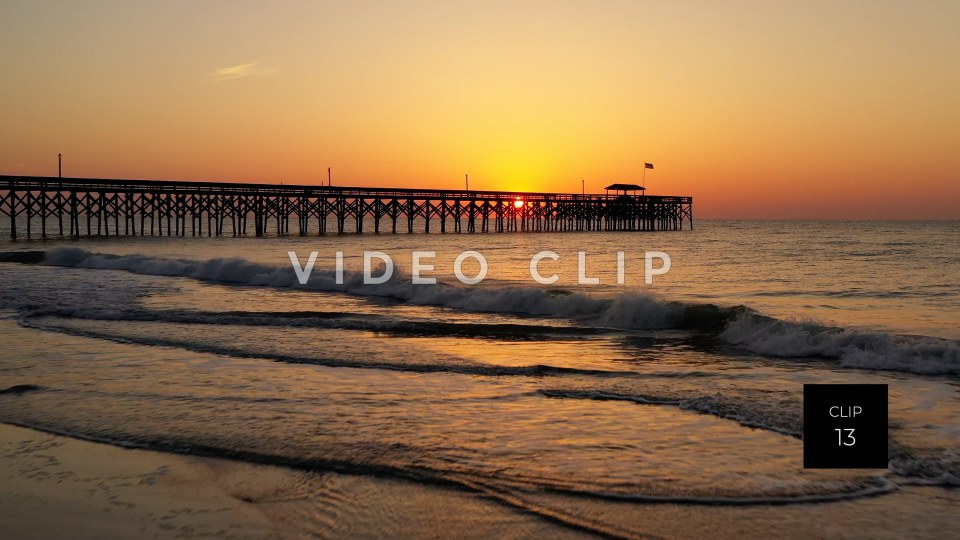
(158, 206)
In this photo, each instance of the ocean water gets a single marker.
(563, 403)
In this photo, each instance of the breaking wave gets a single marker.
(629, 311)
(737, 326)
(853, 348)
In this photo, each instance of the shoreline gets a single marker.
(58, 486)
(55, 486)
(62, 486)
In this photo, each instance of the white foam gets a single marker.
(763, 335)
(859, 349)
(630, 311)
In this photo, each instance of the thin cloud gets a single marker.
(249, 69)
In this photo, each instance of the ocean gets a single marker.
(572, 406)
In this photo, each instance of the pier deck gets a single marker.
(83, 206)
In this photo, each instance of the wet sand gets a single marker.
(55, 487)
(59, 487)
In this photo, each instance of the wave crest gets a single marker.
(632, 311)
(853, 348)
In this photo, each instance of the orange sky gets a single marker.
(757, 109)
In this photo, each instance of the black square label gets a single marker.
(845, 426)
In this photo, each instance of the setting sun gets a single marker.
(747, 110)
(296, 215)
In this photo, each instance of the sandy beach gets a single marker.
(56, 487)
(53, 486)
(59, 487)
(479, 270)
(266, 409)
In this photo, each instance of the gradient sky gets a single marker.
(760, 109)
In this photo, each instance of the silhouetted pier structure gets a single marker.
(82, 206)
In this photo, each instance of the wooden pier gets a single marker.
(73, 207)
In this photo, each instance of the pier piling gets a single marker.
(169, 205)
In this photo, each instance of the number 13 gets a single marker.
(849, 437)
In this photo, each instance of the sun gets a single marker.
(518, 203)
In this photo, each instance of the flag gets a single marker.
(648, 165)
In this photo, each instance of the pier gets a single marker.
(71, 207)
